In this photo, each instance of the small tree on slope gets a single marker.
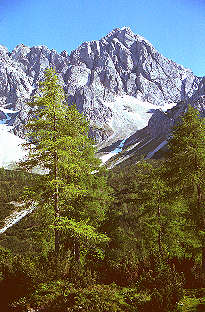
(69, 193)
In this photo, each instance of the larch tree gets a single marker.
(142, 216)
(184, 171)
(74, 196)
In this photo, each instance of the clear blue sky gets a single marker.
(175, 27)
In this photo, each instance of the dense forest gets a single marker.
(127, 239)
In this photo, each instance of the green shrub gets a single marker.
(98, 298)
(164, 285)
(60, 296)
(193, 301)
(20, 275)
(16, 278)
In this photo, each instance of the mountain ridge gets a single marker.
(120, 82)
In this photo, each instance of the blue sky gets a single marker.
(175, 27)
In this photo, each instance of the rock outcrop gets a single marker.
(96, 76)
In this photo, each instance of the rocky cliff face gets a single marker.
(115, 81)
(161, 123)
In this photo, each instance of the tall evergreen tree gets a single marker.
(143, 219)
(185, 171)
(73, 197)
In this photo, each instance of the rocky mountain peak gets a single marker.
(4, 52)
(119, 33)
(112, 80)
(126, 36)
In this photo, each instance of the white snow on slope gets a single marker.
(150, 154)
(117, 150)
(131, 147)
(131, 114)
(11, 150)
(16, 217)
(10, 147)
(7, 111)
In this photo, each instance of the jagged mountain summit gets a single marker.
(119, 82)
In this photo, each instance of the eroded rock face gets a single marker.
(95, 74)
(161, 123)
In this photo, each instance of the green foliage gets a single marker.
(18, 277)
(187, 148)
(164, 285)
(81, 229)
(62, 296)
(155, 207)
(59, 144)
(185, 167)
(86, 235)
(193, 301)
(155, 217)
(143, 217)
(184, 173)
(11, 184)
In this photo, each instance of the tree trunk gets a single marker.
(57, 215)
(199, 195)
(199, 204)
(159, 220)
(56, 194)
(203, 255)
(203, 266)
(76, 251)
(159, 238)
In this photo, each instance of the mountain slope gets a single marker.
(119, 82)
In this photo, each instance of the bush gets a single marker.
(20, 275)
(164, 285)
(193, 301)
(16, 278)
(62, 296)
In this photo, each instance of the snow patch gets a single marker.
(11, 150)
(130, 114)
(117, 150)
(132, 146)
(150, 154)
(8, 111)
(16, 217)
(98, 46)
(89, 48)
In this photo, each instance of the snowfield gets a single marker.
(117, 150)
(11, 150)
(15, 217)
(131, 114)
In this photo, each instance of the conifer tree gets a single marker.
(75, 199)
(143, 213)
(185, 170)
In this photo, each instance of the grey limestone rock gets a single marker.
(161, 123)
(2, 115)
(95, 75)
